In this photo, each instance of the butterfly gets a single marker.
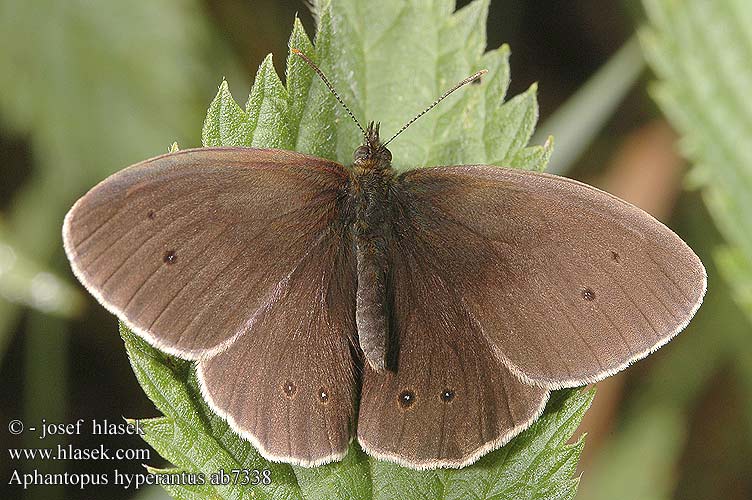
(427, 314)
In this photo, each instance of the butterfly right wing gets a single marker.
(569, 283)
(506, 284)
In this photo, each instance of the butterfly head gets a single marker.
(372, 153)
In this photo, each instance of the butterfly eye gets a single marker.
(362, 153)
(386, 154)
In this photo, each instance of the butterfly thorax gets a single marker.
(370, 189)
(372, 181)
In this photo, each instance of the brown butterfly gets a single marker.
(437, 308)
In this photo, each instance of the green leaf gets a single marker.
(700, 51)
(389, 72)
(388, 60)
(94, 86)
(226, 124)
(24, 281)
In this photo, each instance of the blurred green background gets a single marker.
(87, 88)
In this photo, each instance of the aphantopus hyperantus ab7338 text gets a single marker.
(427, 313)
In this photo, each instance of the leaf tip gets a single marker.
(297, 24)
(268, 61)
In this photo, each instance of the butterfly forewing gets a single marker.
(235, 257)
(568, 283)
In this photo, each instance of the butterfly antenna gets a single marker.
(329, 86)
(434, 103)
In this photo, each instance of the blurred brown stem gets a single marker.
(645, 171)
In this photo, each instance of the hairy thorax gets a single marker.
(371, 186)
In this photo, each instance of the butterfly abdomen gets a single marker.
(370, 192)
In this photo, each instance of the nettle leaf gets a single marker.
(90, 93)
(409, 54)
(388, 60)
(700, 51)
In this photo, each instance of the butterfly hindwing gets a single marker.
(445, 399)
(290, 384)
